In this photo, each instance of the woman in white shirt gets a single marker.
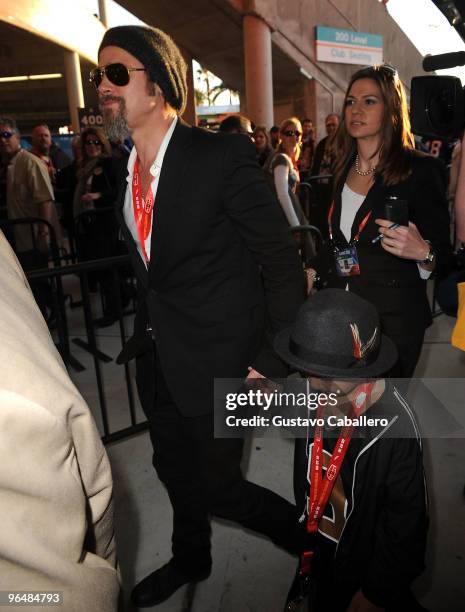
(376, 164)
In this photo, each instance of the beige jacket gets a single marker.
(56, 516)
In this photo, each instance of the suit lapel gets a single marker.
(175, 161)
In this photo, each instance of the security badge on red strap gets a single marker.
(322, 486)
(346, 259)
(143, 209)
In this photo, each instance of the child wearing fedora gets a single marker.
(361, 488)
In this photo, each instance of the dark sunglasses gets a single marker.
(118, 74)
(292, 133)
(6, 135)
(97, 143)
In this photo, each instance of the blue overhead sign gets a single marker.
(347, 46)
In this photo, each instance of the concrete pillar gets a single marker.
(103, 12)
(73, 86)
(258, 71)
(190, 114)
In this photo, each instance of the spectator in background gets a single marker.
(323, 160)
(285, 173)
(95, 188)
(308, 146)
(66, 180)
(96, 226)
(29, 193)
(59, 158)
(262, 144)
(236, 124)
(274, 137)
(323, 164)
(56, 532)
(41, 141)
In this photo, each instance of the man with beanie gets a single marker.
(215, 262)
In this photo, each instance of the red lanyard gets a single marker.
(143, 209)
(361, 227)
(322, 486)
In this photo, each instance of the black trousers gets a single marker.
(203, 477)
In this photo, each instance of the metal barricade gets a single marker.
(82, 271)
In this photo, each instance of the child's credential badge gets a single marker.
(347, 263)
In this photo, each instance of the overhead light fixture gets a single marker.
(14, 78)
(38, 77)
(31, 77)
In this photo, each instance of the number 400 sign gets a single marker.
(89, 117)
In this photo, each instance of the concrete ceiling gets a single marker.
(209, 30)
(22, 53)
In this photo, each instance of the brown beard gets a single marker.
(115, 125)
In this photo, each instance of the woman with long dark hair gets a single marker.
(379, 173)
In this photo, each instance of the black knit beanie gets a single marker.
(159, 55)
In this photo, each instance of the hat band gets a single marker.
(330, 359)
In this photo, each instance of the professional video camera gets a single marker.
(437, 103)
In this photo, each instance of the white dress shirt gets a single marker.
(155, 170)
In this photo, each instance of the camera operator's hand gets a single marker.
(405, 242)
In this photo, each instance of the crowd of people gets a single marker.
(206, 220)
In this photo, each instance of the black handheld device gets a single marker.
(396, 210)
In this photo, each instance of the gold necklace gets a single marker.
(363, 172)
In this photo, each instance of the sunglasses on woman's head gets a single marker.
(118, 74)
(97, 143)
(292, 133)
(386, 69)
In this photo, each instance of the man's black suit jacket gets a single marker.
(224, 273)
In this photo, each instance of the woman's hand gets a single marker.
(360, 603)
(405, 242)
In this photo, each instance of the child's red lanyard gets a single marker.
(143, 209)
(321, 487)
(361, 227)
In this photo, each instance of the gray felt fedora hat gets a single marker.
(337, 334)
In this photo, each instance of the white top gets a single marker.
(350, 203)
(281, 181)
(155, 170)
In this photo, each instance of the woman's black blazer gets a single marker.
(391, 283)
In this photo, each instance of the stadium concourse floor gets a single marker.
(249, 573)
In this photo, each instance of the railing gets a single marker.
(82, 270)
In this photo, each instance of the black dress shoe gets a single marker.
(162, 583)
